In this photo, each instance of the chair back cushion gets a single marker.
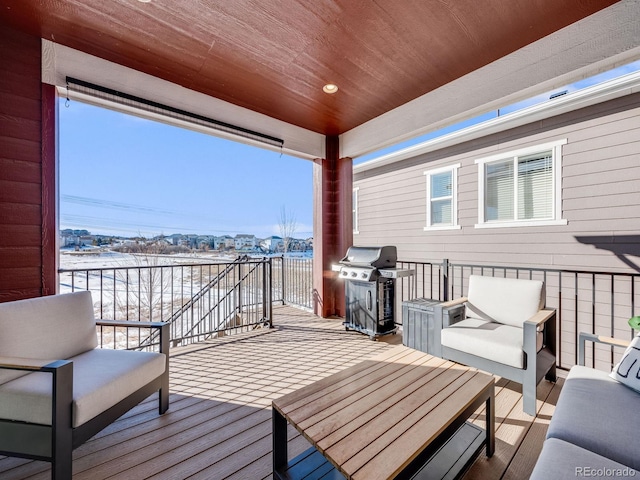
(55, 327)
(508, 301)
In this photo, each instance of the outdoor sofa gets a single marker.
(595, 428)
(502, 328)
(57, 389)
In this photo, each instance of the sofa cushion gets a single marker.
(101, 378)
(508, 301)
(55, 327)
(490, 340)
(560, 460)
(627, 370)
(594, 410)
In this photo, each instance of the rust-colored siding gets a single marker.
(22, 269)
(332, 179)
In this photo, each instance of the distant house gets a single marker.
(300, 245)
(222, 242)
(75, 238)
(192, 241)
(297, 245)
(176, 239)
(69, 239)
(245, 242)
(203, 242)
(272, 244)
(218, 243)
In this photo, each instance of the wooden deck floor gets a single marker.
(219, 422)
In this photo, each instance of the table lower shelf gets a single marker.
(449, 462)
(309, 465)
(453, 459)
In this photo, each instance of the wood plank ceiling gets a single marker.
(274, 56)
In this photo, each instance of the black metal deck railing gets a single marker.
(586, 301)
(199, 300)
(204, 300)
(293, 281)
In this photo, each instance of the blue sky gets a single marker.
(123, 175)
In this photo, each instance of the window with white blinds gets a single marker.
(535, 186)
(498, 203)
(521, 188)
(442, 198)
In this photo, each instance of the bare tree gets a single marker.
(287, 226)
(146, 283)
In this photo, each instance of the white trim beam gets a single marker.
(616, 88)
(59, 62)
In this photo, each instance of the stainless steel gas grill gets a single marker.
(370, 274)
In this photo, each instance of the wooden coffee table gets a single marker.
(401, 415)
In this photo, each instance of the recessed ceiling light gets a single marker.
(144, 1)
(330, 88)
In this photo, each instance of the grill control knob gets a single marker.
(344, 272)
(364, 275)
(354, 274)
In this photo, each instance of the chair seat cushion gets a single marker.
(493, 341)
(593, 410)
(560, 460)
(101, 378)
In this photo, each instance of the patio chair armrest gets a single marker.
(130, 324)
(448, 313)
(538, 323)
(163, 327)
(453, 303)
(584, 337)
(30, 364)
(540, 318)
(61, 389)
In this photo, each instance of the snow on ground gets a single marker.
(189, 290)
(102, 258)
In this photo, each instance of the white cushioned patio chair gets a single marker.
(57, 389)
(504, 329)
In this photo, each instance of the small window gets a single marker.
(442, 196)
(521, 188)
(355, 210)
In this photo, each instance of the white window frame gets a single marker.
(556, 219)
(355, 213)
(454, 198)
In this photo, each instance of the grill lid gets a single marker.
(376, 257)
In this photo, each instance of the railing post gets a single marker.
(284, 281)
(445, 279)
(264, 288)
(269, 291)
(239, 290)
(264, 285)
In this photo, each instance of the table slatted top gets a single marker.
(371, 420)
